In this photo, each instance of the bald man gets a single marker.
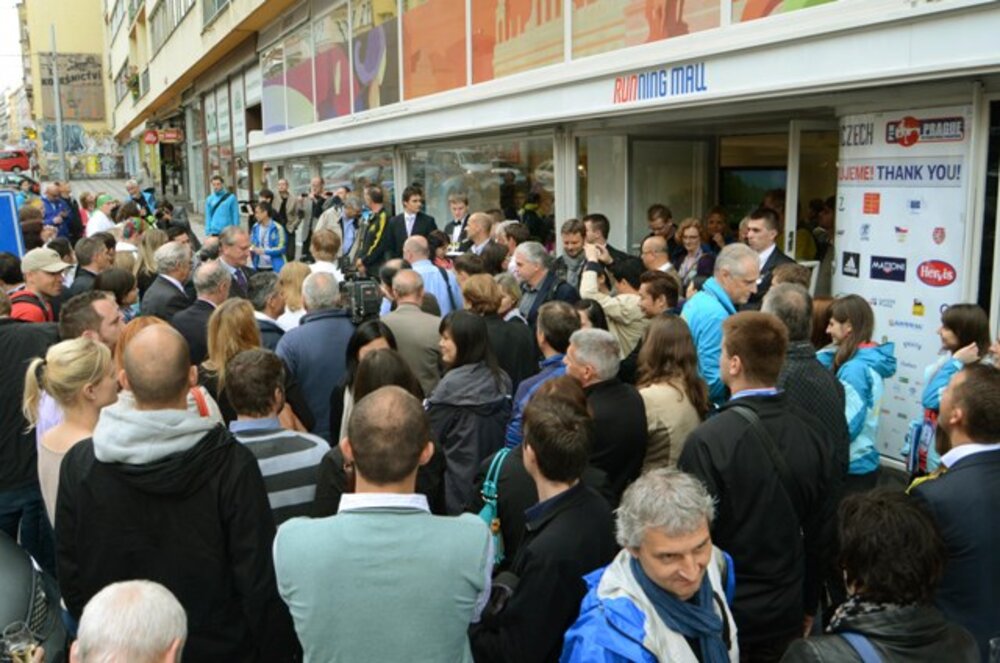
(161, 492)
(478, 229)
(438, 281)
(416, 332)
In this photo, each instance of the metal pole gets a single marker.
(57, 100)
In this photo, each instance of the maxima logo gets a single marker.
(936, 273)
(885, 268)
(910, 130)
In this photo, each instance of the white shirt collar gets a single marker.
(176, 283)
(666, 267)
(965, 450)
(360, 501)
(260, 315)
(765, 254)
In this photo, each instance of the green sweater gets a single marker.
(383, 584)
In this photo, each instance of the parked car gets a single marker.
(14, 160)
(13, 181)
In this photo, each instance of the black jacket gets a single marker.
(20, 342)
(513, 344)
(423, 225)
(197, 522)
(293, 396)
(192, 323)
(620, 434)
(551, 288)
(905, 635)
(237, 290)
(777, 540)
(564, 539)
(83, 280)
(963, 502)
(164, 300)
(270, 333)
(449, 228)
(776, 258)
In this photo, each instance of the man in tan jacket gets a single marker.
(416, 332)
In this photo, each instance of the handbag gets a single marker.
(490, 512)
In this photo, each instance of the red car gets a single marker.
(14, 160)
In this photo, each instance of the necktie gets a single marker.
(241, 279)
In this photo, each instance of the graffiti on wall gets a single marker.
(89, 153)
(81, 87)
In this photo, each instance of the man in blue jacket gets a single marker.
(735, 279)
(221, 209)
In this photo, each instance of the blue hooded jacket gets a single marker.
(704, 313)
(863, 377)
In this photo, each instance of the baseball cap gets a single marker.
(42, 260)
(104, 199)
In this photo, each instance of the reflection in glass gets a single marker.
(272, 89)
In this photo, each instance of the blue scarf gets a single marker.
(692, 620)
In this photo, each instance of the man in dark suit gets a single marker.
(212, 283)
(963, 499)
(763, 229)
(234, 249)
(598, 227)
(166, 296)
(92, 258)
(268, 303)
(411, 222)
(539, 283)
(455, 229)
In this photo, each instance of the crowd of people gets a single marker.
(212, 448)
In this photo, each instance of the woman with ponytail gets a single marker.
(79, 375)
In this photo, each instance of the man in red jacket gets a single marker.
(43, 282)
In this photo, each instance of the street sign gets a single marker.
(171, 135)
(151, 137)
(10, 226)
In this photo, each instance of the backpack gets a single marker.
(28, 297)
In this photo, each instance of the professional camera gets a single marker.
(361, 296)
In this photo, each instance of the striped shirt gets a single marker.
(289, 462)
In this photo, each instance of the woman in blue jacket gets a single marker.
(862, 367)
(268, 240)
(965, 339)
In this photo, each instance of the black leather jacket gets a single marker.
(911, 633)
(28, 595)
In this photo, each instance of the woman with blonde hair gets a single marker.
(290, 283)
(199, 400)
(231, 330)
(79, 375)
(145, 264)
(510, 297)
(675, 395)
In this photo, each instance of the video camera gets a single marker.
(361, 296)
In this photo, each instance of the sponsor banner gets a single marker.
(901, 208)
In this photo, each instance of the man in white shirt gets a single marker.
(478, 230)
(762, 232)
(654, 254)
(100, 219)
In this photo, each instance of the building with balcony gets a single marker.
(84, 86)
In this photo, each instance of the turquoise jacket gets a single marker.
(273, 241)
(221, 210)
(863, 377)
(704, 314)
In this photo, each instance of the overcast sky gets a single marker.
(10, 46)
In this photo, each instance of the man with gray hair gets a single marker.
(437, 281)
(735, 279)
(138, 621)
(166, 296)
(268, 305)
(416, 332)
(539, 282)
(314, 352)
(212, 283)
(619, 413)
(234, 250)
(145, 201)
(668, 572)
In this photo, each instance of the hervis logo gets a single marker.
(936, 273)
(851, 264)
(909, 131)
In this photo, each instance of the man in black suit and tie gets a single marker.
(166, 296)
(212, 282)
(92, 258)
(456, 228)
(234, 249)
(963, 499)
(411, 222)
(763, 229)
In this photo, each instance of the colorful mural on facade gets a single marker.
(433, 46)
(375, 41)
(89, 152)
(748, 10)
(607, 25)
(510, 36)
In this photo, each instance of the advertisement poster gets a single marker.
(901, 224)
(10, 226)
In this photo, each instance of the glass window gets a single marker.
(375, 43)
(211, 120)
(670, 172)
(299, 98)
(358, 171)
(515, 176)
(434, 57)
(272, 64)
(606, 25)
(223, 113)
(211, 9)
(298, 175)
(333, 65)
(508, 39)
